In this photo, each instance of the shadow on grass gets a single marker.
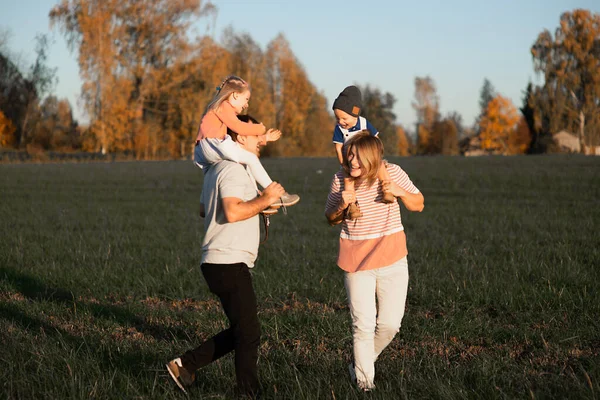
(36, 290)
(134, 361)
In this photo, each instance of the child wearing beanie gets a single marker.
(347, 108)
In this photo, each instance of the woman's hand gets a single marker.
(273, 135)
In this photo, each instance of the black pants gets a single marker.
(232, 283)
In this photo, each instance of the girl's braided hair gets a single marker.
(231, 84)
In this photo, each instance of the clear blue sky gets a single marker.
(382, 43)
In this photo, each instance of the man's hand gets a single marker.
(273, 192)
(273, 135)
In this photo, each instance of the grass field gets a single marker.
(100, 283)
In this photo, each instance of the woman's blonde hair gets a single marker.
(231, 84)
(369, 151)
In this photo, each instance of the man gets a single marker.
(230, 204)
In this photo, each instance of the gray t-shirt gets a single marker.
(235, 242)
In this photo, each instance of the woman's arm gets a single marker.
(336, 207)
(412, 201)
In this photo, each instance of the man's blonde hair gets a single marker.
(369, 151)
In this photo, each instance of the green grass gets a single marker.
(100, 283)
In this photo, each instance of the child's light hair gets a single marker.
(231, 84)
(369, 151)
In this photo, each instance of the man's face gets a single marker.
(344, 119)
(250, 143)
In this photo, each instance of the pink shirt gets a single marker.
(376, 239)
(215, 123)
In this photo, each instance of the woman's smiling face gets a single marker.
(354, 163)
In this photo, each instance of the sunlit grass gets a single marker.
(100, 283)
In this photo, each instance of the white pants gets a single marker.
(377, 299)
(212, 150)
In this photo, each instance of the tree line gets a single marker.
(146, 82)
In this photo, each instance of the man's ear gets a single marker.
(241, 139)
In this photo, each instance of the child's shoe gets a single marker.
(353, 211)
(388, 197)
(180, 375)
(269, 211)
(286, 200)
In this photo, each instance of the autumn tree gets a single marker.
(7, 132)
(128, 54)
(404, 144)
(294, 98)
(486, 94)
(569, 60)
(497, 124)
(519, 140)
(23, 91)
(444, 137)
(426, 105)
(378, 110)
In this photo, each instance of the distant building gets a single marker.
(471, 147)
(567, 142)
(592, 150)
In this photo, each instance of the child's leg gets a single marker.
(256, 168)
(383, 175)
(348, 184)
(353, 209)
(230, 150)
(207, 152)
(215, 150)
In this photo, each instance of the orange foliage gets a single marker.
(520, 138)
(403, 143)
(147, 83)
(7, 132)
(497, 124)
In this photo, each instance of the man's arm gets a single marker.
(236, 209)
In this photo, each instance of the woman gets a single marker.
(372, 250)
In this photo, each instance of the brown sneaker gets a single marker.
(353, 212)
(180, 375)
(269, 211)
(388, 197)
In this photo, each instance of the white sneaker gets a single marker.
(364, 386)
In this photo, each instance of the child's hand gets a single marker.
(273, 135)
